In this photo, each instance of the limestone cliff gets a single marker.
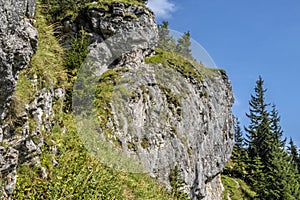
(172, 116)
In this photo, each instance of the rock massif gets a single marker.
(161, 117)
(166, 120)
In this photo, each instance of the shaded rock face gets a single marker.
(18, 42)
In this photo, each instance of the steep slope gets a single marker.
(18, 42)
(173, 116)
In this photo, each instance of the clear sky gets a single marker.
(247, 38)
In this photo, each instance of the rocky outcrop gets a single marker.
(23, 144)
(163, 119)
(18, 40)
(167, 123)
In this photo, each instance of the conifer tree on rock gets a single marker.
(165, 42)
(184, 45)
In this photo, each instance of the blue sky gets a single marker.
(247, 39)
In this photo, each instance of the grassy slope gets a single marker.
(78, 175)
(236, 189)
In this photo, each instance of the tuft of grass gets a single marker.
(45, 70)
(47, 63)
(176, 62)
(173, 100)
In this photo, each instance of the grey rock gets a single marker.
(11, 182)
(54, 162)
(1, 135)
(44, 173)
(196, 136)
(31, 147)
(18, 42)
(59, 93)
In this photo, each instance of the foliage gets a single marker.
(178, 63)
(73, 61)
(103, 96)
(168, 43)
(165, 42)
(177, 184)
(183, 46)
(294, 154)
(237, 165)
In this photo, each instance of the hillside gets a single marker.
(120, 119)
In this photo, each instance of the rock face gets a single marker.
(171, 123)
(18, 40)
(162, 119)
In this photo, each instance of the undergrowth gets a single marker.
(236, 189)
(79, 175)
(177, 62)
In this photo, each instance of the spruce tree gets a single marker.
(259, 136)
(238, 135)
(270, 170)
(239, 153)
(184, 45)
(276, 128)
(166, 41)
(294, 154)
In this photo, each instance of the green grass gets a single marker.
(236, 189)
(48, 61)
(79, 175)
(189, 68)
(176, 62)
(46, 64)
